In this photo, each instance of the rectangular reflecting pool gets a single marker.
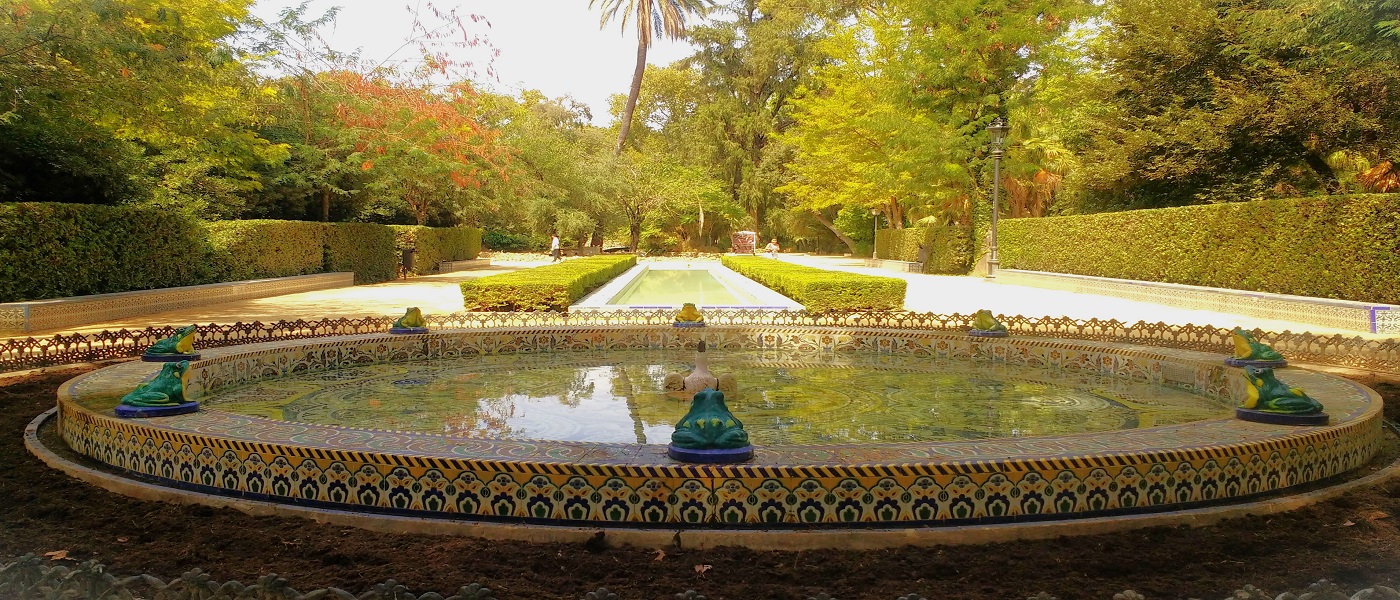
(672, 284)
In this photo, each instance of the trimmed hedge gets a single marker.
(820, 290)
(365, 248)
(1330, 247)
(551, 287)
(949, 248)
(50, 250)
(436, 244)
(262, 248)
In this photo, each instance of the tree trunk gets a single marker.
(1319, 165)
(850, 243)
(700, 229)
(326, 205)
(636, 230)
(632, 97)
(597, 239)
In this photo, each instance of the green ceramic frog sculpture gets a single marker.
(709, 425)
(1267, 394)
(411, 319)
(1249, 348)
(167, 389)
(180, 343)
(689, 314)
(984, 321)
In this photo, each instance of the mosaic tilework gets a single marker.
(1337, 314)
(893, 484)
(62, 313)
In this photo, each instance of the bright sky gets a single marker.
(554, 46)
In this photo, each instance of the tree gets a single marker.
(128, 101)
(650, 18)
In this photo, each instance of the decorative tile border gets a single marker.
(63, 313)
(1052, 477)
(1338, 314)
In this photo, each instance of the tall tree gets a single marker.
(650, 18)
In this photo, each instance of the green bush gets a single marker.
(507, 242)
(50, 250)
(365, 248)
(820, 290)
(262, 248)
(552, 287)
(436, 244)
(949, 248)
(1331, 247)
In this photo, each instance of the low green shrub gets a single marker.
(551, 287)
(820, 290)
(262, 248)
(1330, 247)
(365, 248)
(507, 242)
(436, 244)
(949, 247)
(51, 250)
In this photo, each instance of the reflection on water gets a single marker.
(784, 398)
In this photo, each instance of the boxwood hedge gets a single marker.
(820, 290)
(551, 287)
(949, 248)
(1331, 247)
(52, 250)
(434, 244)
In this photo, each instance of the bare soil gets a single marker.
(1353, 541)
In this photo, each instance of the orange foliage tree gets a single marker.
(428, 147)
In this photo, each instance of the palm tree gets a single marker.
(666, 17)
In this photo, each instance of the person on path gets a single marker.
(772, 248)
(554, 246)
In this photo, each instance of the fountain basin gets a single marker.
(923, 483)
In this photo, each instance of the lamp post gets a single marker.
(875, 217)
(997, 129)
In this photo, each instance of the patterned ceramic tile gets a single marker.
(572, 482)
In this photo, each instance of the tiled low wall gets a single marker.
(901, 266)
(576, 483)
(65, 313)
(1345, 315)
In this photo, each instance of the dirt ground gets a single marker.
(1353, 541)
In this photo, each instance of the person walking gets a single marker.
(772, 248)
(554, 246)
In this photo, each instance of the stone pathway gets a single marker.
(946, 294)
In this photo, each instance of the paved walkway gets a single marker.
(440, 294)
(434, 294)
(946, 294)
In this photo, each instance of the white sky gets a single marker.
(554, 46)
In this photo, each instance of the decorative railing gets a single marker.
(1335, 350)
(32, 577)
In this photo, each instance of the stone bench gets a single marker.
(1346, 315)
(57, 314)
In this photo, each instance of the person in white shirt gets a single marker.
(772, 248)
(554, 246)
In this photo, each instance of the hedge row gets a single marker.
(552, 287)
(820, 290)
(1332, 247)
(949, 248)
(54, 250)
(436, 244)
(50, 250)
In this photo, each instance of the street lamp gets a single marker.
(997, 129)
(875, 216)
